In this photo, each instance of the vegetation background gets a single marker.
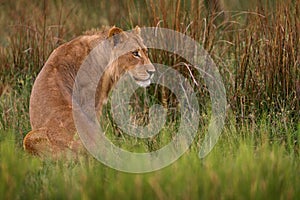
(256, 46)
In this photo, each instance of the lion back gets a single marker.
(51, 96)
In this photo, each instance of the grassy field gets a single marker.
(237, 168)
(257, 50)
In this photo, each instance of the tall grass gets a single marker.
(257, 52)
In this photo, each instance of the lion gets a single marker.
(53, 129)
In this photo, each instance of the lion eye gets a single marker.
(136, 54)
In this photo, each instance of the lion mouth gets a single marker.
(140, 80)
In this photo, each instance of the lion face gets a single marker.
(132, 56)
(138, 66)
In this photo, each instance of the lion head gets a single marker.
(129, 54)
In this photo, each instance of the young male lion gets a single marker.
(53, 129)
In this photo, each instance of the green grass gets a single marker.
(256, 48)
(235, 169)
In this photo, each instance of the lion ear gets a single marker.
(117, 35)
(137, 30)
(114, 31)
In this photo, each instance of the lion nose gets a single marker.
(150, 72)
